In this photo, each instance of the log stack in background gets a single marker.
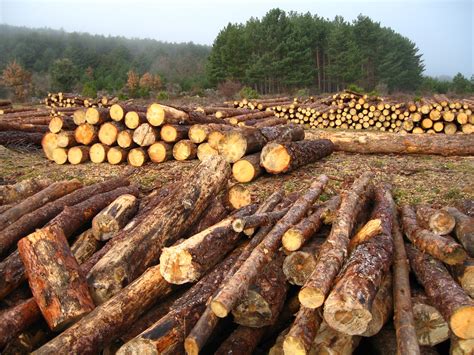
(61, 99)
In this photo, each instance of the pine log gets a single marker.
(65, 139)
(247, 168)
(334, 250)
(212, 215)
(108, 132)
(157, 115)
(114, 217)
(242, 341)
(443, 248)
(438, 221)
(277, 348)
(86, 134)
(49, 143)
(134, 119)
(239, 224)
(444, 293)
(60, 156)
(348, 308)
(145, 135)
(173, 133)
(464, 274)
(59, 123)
(235, 144)
(85, 246)
(98, 153)
(373, 143)
(48, 264)
(279, 158)
(295, 237)
(15, 193)
(283, 133)
(302, 331)
(198, 133)
(125, 138)
(204, 150)
(184, 150)
(331, 342)
(431, 328)
(237, 196)
(116, 155)
(119, 111)
(299, 265)
(233, 112)
(79, 117)
(461, 346)
(266, 122)
(371, 229)
(137, 157)
(167, 335)
(464, 229)
(189, 260)
(23, 127)
(160, 152)
(216, 135)
(165, 223)
(97, 116)
(240, 282)
(78, 155)
(249, 116)
(18, 138)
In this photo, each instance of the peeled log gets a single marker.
(444, 293)
(248, 168)
(114, 217)
(443, 248)
(299, 265)
(334, 250)
(295, 237)
(85, 246)
(464, 229)
(348, 308)
(438, 221)
(128, 258)
(14, 193)
(279, 158)
(160, 152)
(48, 264)
(386, 143)
(235, 144)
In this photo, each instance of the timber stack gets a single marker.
(176, 268)
(61, 99)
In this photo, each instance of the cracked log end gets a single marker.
(350, 321)
(431, 328)
(253, 312)
(177, 267)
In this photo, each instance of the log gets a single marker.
(160, 152)
(145, 135)
(114, 217)
(302, 331)
(97, 116)
(266, 122)
(295, 237)
(235, 144)
(204, 150)
(237, 196)
(431, 328)
(242, 341)
(49, 143)
(334, 250)
(78, 155)
(184, 150)
(239, 224)
(48, 263)
(233, 112)
(277, 348)
(265, 297)
(98, 153)
(10, 194)
(116, 155)
(279, 158)
(368, 231)
(59, 123)
(247, 169)
(108, 132)
(464, 229)
(157, 115)
(212, 215)
(119, 111)
(60, 156)
(348, 308)
(85, 246)
(198, 133)
(299, 265)
(137, 157)
(173, 133)
(249, 116)
(464, 274)
(189, 260)
(240, 282)
(461, 346)
(167, 335)
(438, 221)
(164, 225)
(386, 143)
(283, 133)
(443, 248)
(217, 133)
(23, 127)
(134, 119)
(19, 138)
(444, 293)
(79, 117)
(86, 134)
(125, 139)
(65, 139)
(330, 341)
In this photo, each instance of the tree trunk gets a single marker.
(242, 341)
(444, 293)
(145, 135)
(233, 120)
(184, 150)
(283, 133)
(386, 143)
(116, 155)
(160, 152)
(23, 127)
(97, 116)
(302, 331)
(198, 133)
(266, 122)
(464, 229)
(78, 155)
(15, 193)
(334, 250)
(109, 131)
(296, 236)
(85, 246)
(215, 213)
(157, 115)
(442, 248)
(174, 133)
(464, 274)
(79, 117)
(299, 265)
(114, 217)
(86, 134)
(330, 341)
(247, 169)
(348, 308)
(98, 153)
(240, 282)
(48, 263)
(164, 225)
(438, 221)
(235, 144)
(279, 158)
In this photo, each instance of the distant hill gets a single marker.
(110, 58)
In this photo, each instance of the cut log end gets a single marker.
(98, 153)
(441, 222)
(176, 266)
(294, 346)
(204, 150)
(219, 309)
(184, 150)
(138, 346)
(60, 156)
(253, 311)
(238, 196)
(233, 146)
(191, 347)
(292, 239)
(431, 328)
(137, 157)
(348, 321)
(78, 155)
(116, 155)
(462, 322)
(275, 158)
(311, 298)
(243, 171)
(116, 112)
(160, 152)
(155, 115)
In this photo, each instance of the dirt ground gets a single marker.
(415, 178)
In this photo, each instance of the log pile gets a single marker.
(61, 99)
(163, 273)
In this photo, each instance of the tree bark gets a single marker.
(237, 143)
(302, 331)
(283, 133)
(464, 274)
(386, 143)
(299, 265)
(58, 286)
(464, 229)
(212, 215)
(249, 116)
(174, 133)
(248, 168)
(15, 193)
(114, 217)
(164, 225)
(334, 250)
(442, 248)
(19, 138)
(184, 150)
(234, 112)
(145, 135)
(240, 282)
(85, 246)
(444, 293)
(279, 158)
(23, 127)
(242, 341)
(438, 221)
(160, 152)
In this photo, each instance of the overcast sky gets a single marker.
(442, 29)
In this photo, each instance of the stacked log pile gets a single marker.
(61, 99)
(293, 274)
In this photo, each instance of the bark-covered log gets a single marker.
(444, 293)
(234, 120)
(239, 224)
(48, 194)
(15, 193)
(464, 229)
(240, 282)
(85, 246)
(248, 168)
(108, 132)
(184, 150)
(114, 217)
(137, 157)
(242, 341)
(279, 158)
(438, 221)
(127, 259)
(237, 196)
(431, 328)
(373, 143)
(58, 123)
(302, 332)
(348, 307)
(125, 139)
(19, 137)
(145, 135)
(98, 153)
(237, 143)
(266, 122)
(133, 119)
(97, 116)
(48, 264)
(86, 134)
(443, 248)
(229, 112)
(174, 133)
(119, 111)
(464, 274)
(77, 155)
(160, 152)
(283, 133)
(212, 215)
(204, 150)
(295, 237)
(299, 265)
(371, 229)
(330, 341)
(189, 260)
(23, 127)
(157, 115)
(334, 250)
(116, 155)
(198, 133)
